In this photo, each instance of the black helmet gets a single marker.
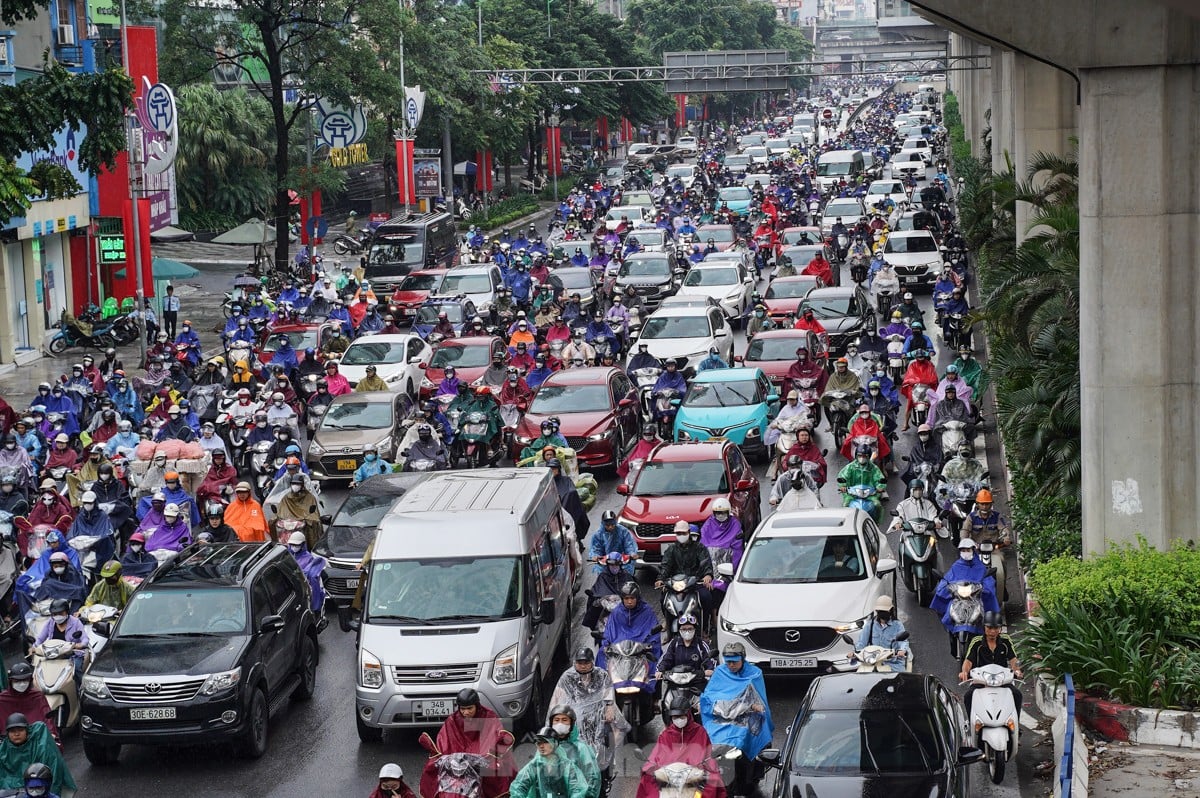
(862, 451)
(215, 510)
(467, 697)
(585, 654)
(40, 773)
(20, 671)
(297, 479)
(681, 704)
(993, 619)
(631, 588)
(59, 606)
(649, 431)
(16, 721)
(916, 483)
(609, 515)
(545, 735)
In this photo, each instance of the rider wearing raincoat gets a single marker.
(735, 712)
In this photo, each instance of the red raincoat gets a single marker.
(482, 734)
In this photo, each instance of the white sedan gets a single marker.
(399, 360)
(686, 334)
(727, 282)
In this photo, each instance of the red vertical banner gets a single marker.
(626, 130)
(554, 150)
(316, 207)
(602, 129)
(126, 287)
(404, 172)
(304, 214)
(480, 170)
(489, 169)
(144, 248)
(680, 111)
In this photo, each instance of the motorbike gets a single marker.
(459, 774)
(874, 659)
(992, 555)
(261, 468)
(807, 388)
(788, 429)
(475, 439)
(919, 556)
(956, 332)
(895, 359)
(994, 719)
(680, 780)
(883, 304)
(920, 404)
(54, 675)
(966, 616)
(666, 406)
(684, 679)
(838, 412)
(861, 497)
(628, 664)
(510, 418)
(681, 596)
(953, 436)
(956, 501)
(645, 379)
(345, 244)
(99, 620)
(70, 335)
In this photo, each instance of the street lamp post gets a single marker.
(404, 168)
(554, 121)
(134, 238)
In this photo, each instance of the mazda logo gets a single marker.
(792, 635)
(435, 674)
(153, 687)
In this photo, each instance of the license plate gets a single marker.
(352, 584)
(346, 465)
(441, 708)
(407, 311)
(154, 713)
(793, 662)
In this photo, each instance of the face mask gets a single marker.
(966, 555)
(20, 687)
(135, 547)
(279, 403)
(10, 446)
(681, 539)
(370, 458)
(47, 500)
(923, 436)
(687, 635)
(561, 728)
(883, 617)
(112, 580)
(59, 618)
(89, 505)
(296, 488)
(679, 723)
(294, 549)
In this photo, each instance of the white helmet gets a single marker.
(722, 506)
(297, 539)
(390, 771)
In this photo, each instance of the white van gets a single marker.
(838, 164)
(469, 584)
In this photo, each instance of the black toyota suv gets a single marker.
(210, 645)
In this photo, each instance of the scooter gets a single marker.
(861, 497)
(991, 555)
(994, 720)
(475, 440)
(788, 429)
(919, 556)
(966, 616)
(838, 412)
(54, 675)
(680, 780)
(666, 406)
(807, 388)
(99, 620)
(956, 501)
(681, 596)
(628, 664)
(954, 435)
(874, 659)
(920, 404)
(684, 679)
(895, 359)
(261, 468)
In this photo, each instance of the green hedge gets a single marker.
(207, 220)
(1049, 527)
(1125, 624)
(503, 212)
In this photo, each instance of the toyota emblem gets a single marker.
(435, 674)
(792, 635)
(153, 687)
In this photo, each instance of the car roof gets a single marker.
(470, 340)
(688, 451)
(365, 397)
(713, 227)
(481, 268)
(801, 523)
(728, 375)
(390, 484)
(219, 564)
(875, 691)
(689, 301)
(593, 375)
(910, 234)
(832, 291)
(680, 310)
(387, 338)
(788, 333)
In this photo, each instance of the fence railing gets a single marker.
(1066, 770)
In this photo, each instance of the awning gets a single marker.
(171, 235)
(465, 168)
(167, 269)
(249, 233)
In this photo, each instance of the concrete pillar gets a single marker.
(1002, 109)
(1139, 318)
(1044, 118)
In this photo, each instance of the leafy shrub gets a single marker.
(207, 220)
(503, 212)
(1048, 526)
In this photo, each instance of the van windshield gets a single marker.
(444, 590)
(401, 247)
(829, 169)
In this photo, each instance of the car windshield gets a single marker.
(772, 349)
(648, 236)
(738, 393)
(792, 236)
(885, 188)
(734, 194)
(207, 611)
(848, 209)
(867, 741)
(577, 279)
(447, 590)
(711, 277)
(900, 245)
(737, 161)
(299, 339)
(460, 356)
(833, 168)
(357, 415)
(645, 267)
(789, 289)
(690, 478)
(357, 521)
(680, 171)
(428, 314)
(420, 282)
(811, 558)
(377, 352)
(397, 248)
(453, 284)
(634, 212)
(756, 152)
(721, 235)
(832, 307)
(659, 327)
(571, 399)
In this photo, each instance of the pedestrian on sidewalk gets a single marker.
(170, 309)
(151, 322)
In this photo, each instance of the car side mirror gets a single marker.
(769, 757)
(721, 333)
(414, 360)
(545, 613)
(622, 489)
(103, 628)
(725, 569)
(626, 402)
(885, 567)
(676, 402)
(969, 756)
(271, 623)
(327, 519)
(743, 484)
(740, 359)
(772, 398)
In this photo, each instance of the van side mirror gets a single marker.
(545, 614)
(969, 756)
(271, 623)
(769, 757)
(725, 569)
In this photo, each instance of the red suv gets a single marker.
(470, 357)
(680, 481)
(597, 409)
(412, 292)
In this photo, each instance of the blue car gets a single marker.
(459, 313)
(738, 198)
(736, 404)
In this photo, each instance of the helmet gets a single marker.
(631, 588)
(687, 619)
(391, 770)
(545, 735)
(467, 697)
(680, 706)
(16, 721)
(296, 539)
(862, 451)
(20, 671)
(609, 515)
(584, 654)
(215, 510)
(722, 506)
(916, 483)
(562, 709)
(60, 606)
(983, 496)
(649, 431)
(297, 479)
(733, 650)
(111, 568)
(993, 619)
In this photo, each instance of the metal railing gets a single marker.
(1066, 770)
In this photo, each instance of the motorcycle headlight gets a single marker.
(525, 440)
(504, 668)
(219, 682)
(370, 670)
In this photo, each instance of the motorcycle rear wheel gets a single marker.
(341, 247)
(58, 344)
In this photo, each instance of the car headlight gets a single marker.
(728, 626)
(752, 432)
(851, 625)
(315, 449)
(630, 525)
(484, 307)
(385, 443)
(95, 687)
(525, 440)
(395, 377)
(683, 434)
(219, 682)
(601, 436)
(504, 669)
(427, 383)
(370, 670)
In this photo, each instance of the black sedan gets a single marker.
(899, 735)
(845, 312)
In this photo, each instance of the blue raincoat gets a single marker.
(963, 571)
(636, 624)
(726, 709)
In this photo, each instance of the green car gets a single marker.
(736, 404)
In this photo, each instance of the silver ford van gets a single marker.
(469, 585)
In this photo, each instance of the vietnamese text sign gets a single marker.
(112, 247)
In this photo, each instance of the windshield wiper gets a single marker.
(917, 740)
(745, 399)
(401, 618)
(461, 618)
(828, 311)
(862, 727)
(350, 426)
